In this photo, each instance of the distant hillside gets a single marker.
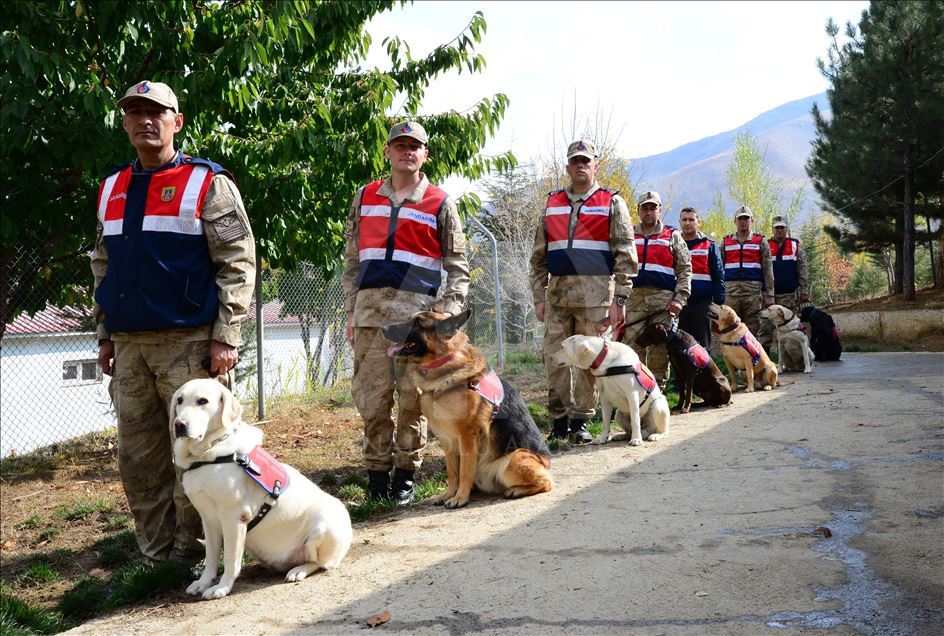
(692, 174)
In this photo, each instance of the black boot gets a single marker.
(378, 481)
(561, 429)
(402, 490)
(579, 433)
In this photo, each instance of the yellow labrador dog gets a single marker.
(246, 499)
(624, 382)
(741, 350)
(793, 347)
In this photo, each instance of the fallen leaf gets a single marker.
(9, 543)
(823, 531)
(379, 618)
(98, 573)
(701, 593)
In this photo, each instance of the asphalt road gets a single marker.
(815, 507)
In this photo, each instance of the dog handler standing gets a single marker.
(581, 265)
(707, 279)
(401, 233)
(748, 273)
(174, 267)
(663, 285)
(789, 265)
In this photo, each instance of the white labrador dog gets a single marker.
(637, 404)
(305, 530)
(793, 347)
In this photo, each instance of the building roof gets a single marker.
(50, 320)
(68, 319)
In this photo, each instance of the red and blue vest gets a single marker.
(399, 244)
(742, 260)
(701, 269)
(656, 261)
(587, 253)
(784, 256)
(159, 274)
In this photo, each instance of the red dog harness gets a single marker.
(264, 469)
(644, 376)
(750, 344)
(489, 386)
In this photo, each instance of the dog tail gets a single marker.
(785, 382)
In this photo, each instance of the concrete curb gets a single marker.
(890, 325)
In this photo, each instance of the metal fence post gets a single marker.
(260, 369)
(498, 315)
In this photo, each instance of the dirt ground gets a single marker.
(813, 507)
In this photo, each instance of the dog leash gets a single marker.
(617, 334)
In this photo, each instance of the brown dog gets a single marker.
(741, 350)
(695, 371)
(499, 449)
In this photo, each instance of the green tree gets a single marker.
(878, 158)
(751, 183)
(273, 90)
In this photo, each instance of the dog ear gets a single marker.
(448, 327)
(232, 410)
(172, 409)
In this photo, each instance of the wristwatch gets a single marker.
(620, 301)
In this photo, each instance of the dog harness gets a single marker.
(644, 376)
(489, 386)
(750, 344)
(264, 469)
(697, 355)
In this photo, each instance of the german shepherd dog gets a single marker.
(498, 449)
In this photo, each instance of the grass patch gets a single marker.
(360, 508)
(431, 487)
(19, 617)
(84, 508)
(59, 556)
(540, 415)
(119, 521)
(131, 584)
(36, 574)
(116, 550)
(48, 534)
(351, 492)
(32, 521)
(329, 480)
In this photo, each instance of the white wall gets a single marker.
(37, 407)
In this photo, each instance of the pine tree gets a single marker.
(878, 160)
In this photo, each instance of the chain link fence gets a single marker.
(53, 389)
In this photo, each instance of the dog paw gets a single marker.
(456, 502)
(767, 387)
(440, 500)
(198, 586)
(807, 370)
(635, 441)
(296, 574)
(748, 389)
(655, 437)
(599, 440)
(217, 591)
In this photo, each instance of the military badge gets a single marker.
(143, 88)
(406, 128)
(167, 194)
(580, 146)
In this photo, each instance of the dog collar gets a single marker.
(731, 328)
(600, 356)
(786, 320)
(438, 363)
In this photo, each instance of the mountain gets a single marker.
(694, 173)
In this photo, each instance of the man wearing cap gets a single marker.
(663, 285)
(581, 266)
(748, 274)
(707, 278)
(401, 233)
(789, 265)
(174, 268)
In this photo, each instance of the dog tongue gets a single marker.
(393, 349)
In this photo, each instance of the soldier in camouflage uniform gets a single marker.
(581, 265)
(663, 284)
(748, 273)
(401, 233)
(174, 269)
(791, 275)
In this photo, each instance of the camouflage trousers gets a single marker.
(570, 391)
(144, 378)
(649, 301)
(747, 307)
(376, 377)
(787, 300)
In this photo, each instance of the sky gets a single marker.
(664, 73)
